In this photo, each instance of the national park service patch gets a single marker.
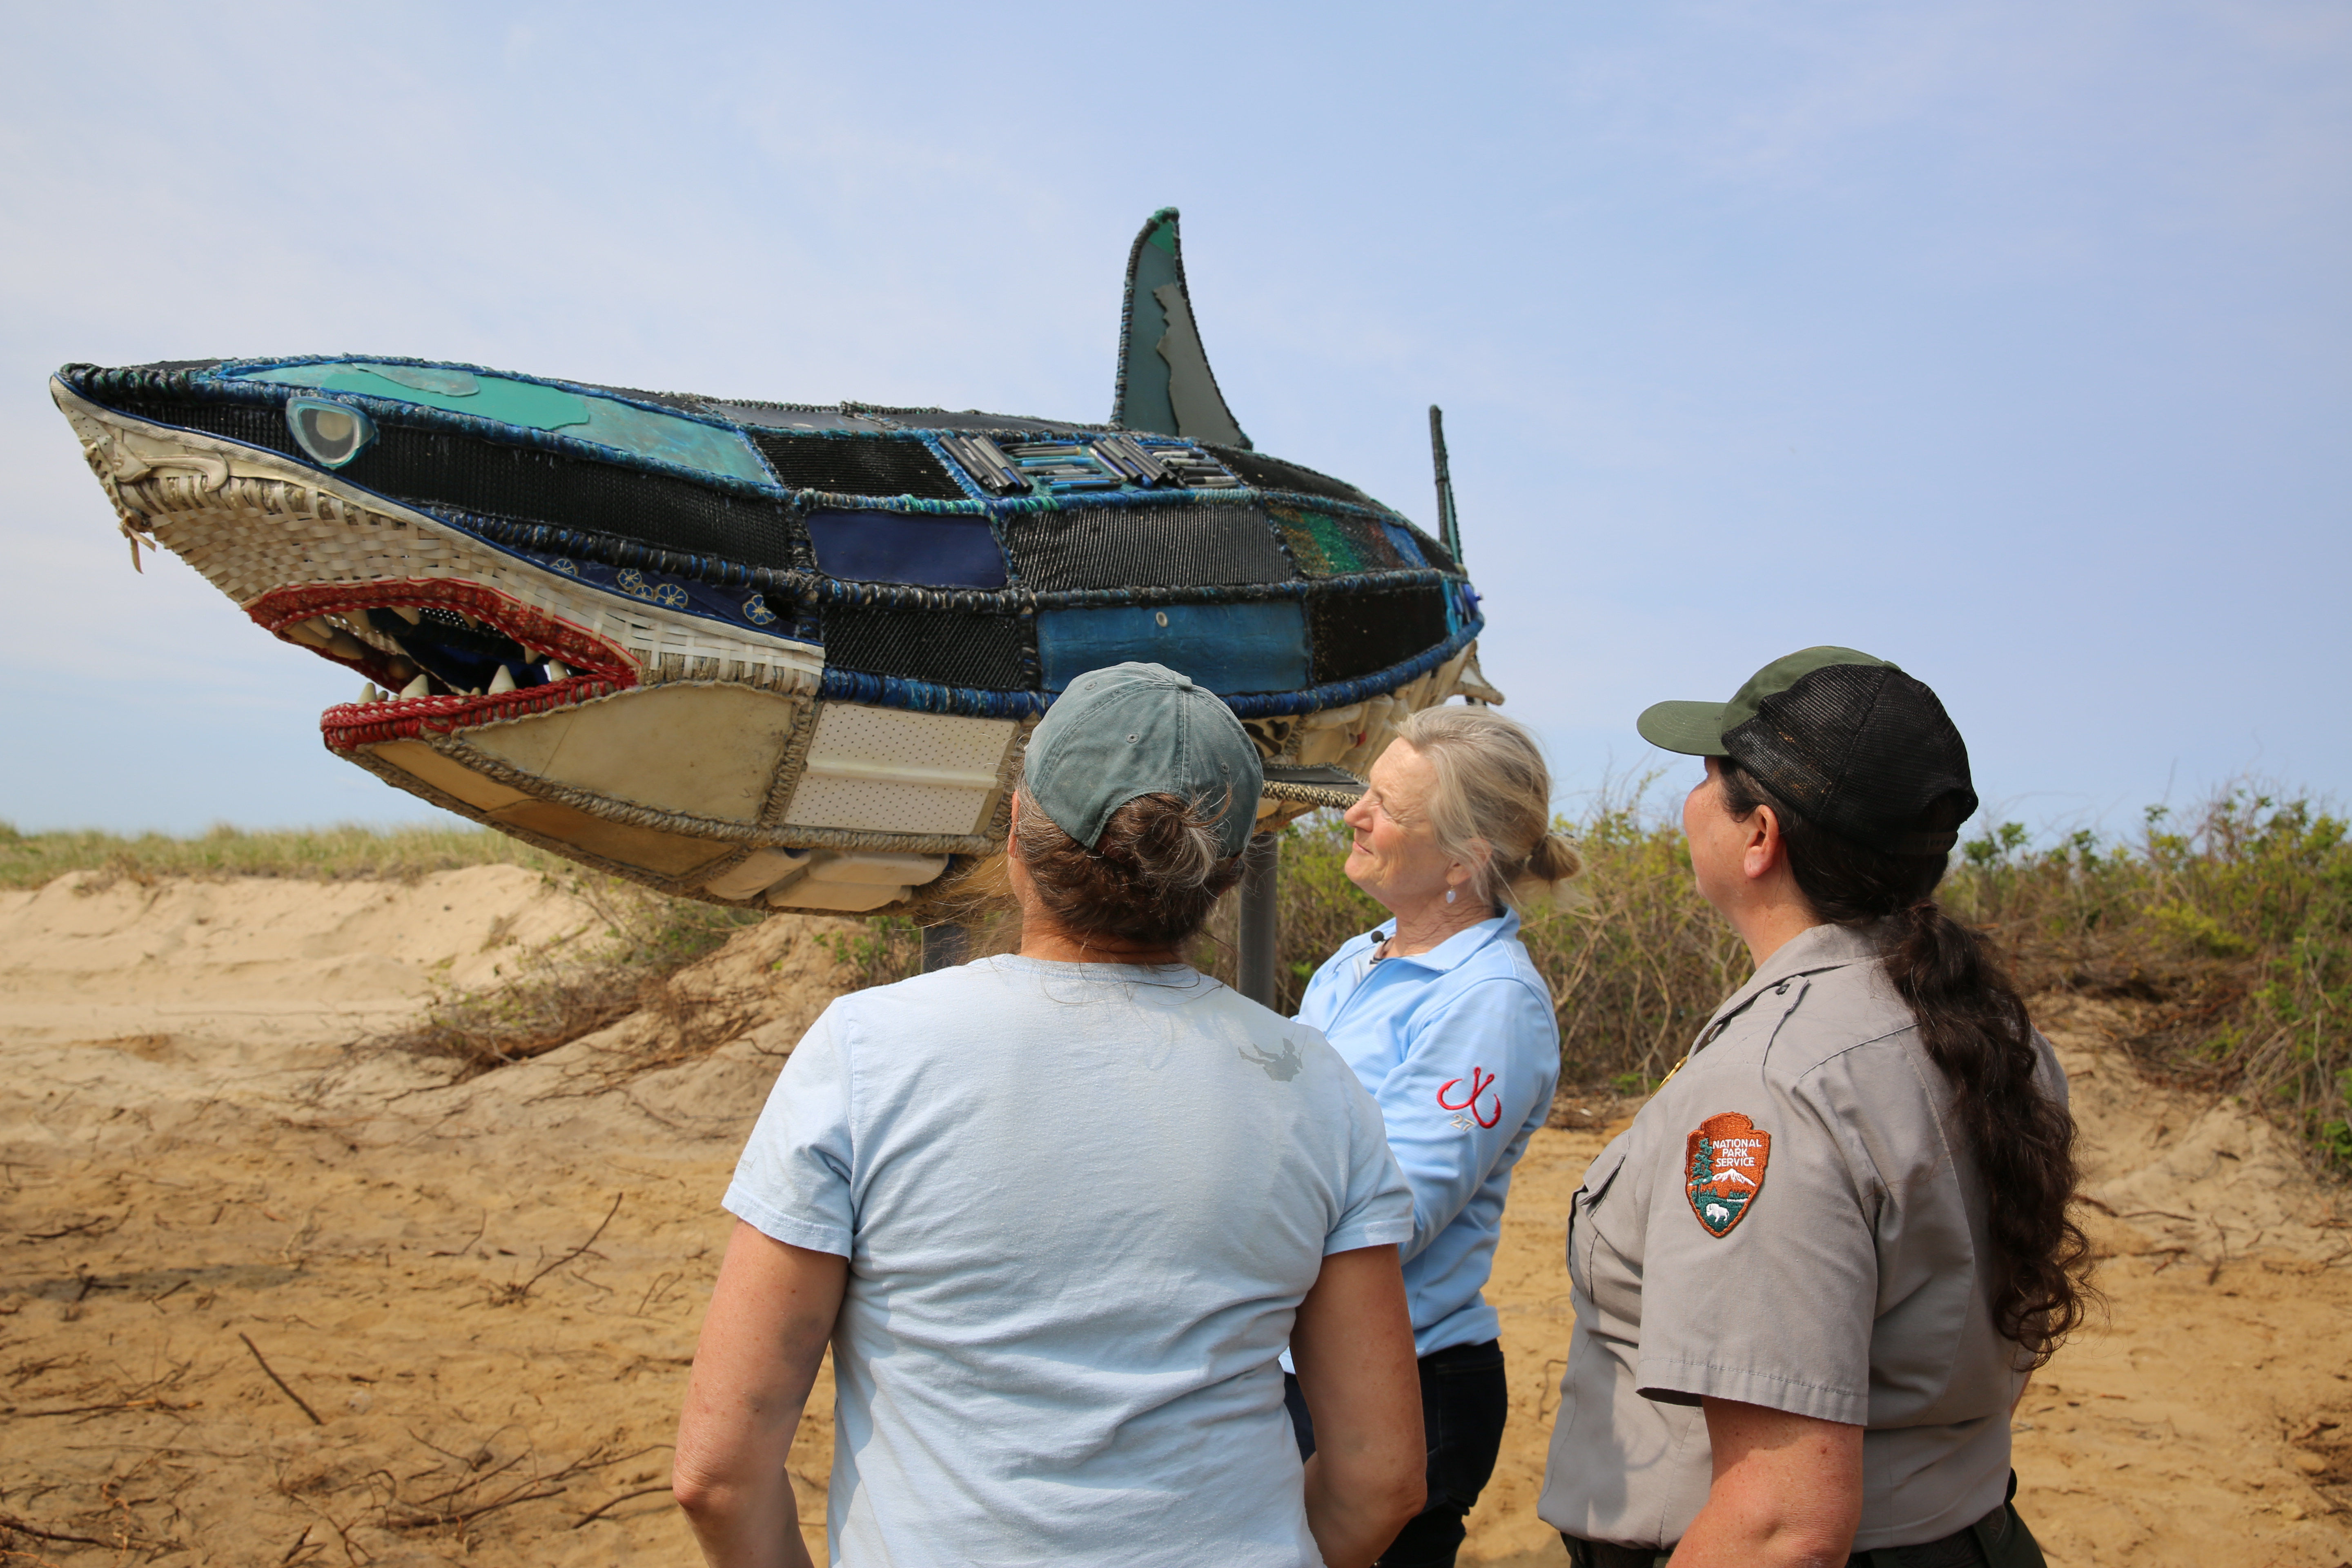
(1723, 1170)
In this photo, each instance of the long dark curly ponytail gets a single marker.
(1975, 1027)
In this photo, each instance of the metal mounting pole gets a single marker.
(1258, 919)
(943, 946)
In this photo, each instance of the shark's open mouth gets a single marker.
(440, 655)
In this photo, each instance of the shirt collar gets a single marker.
(1809, 952)
(1455, 950)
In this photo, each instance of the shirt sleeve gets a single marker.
(794, 1180)
(1376, 1210)
(1759, 1276)
(1475, 1070)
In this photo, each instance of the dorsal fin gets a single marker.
(1165, 385)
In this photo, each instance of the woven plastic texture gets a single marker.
(859, 465)
(1274, 473)
(971, 419)
(1360, 634)
(892, 547)
(940, 647)
(830, 795)
(1433, 551)
(1228, 648)
(442, 468)
(1866, 751)
(256, 426)
(1145, 547)
(1326, 546)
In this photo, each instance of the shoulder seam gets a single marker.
(1910, 1029)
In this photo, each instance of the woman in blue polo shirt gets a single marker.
(1449, 1025)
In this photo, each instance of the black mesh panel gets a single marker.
(1357, 634)
(1145, 547)
(927, 645)
(445, 468)
(1866, 751)
(1274, 473)
(859, 465)
(255, 425)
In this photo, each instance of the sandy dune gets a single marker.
(476, 1304)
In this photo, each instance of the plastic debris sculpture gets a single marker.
(771, 654)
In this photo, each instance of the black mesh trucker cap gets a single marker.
(1848, 742)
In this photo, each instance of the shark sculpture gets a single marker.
(778, 655)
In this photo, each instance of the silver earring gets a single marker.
(1449, 895)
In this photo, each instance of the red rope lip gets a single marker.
(599, 668)
(348, 725)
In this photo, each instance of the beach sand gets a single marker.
(271, 1296)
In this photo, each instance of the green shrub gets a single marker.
(2230, 935)
(2228, 939)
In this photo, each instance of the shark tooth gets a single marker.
(503, 682)
(555, 671)
(420, 686)
(409, 613)
(368, 693)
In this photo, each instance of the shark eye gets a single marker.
(331, 433)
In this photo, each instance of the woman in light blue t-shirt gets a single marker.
(1057, 1212)
(1450, 1027)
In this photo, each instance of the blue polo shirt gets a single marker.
(1460, 1049)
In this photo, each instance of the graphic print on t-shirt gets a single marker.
(1469, 1111)
(1722, 1169)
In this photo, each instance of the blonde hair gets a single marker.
(1492, 808)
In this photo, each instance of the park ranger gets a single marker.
(1812, 1278)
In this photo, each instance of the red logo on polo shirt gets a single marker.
(1480, 1082)
(1724, 1170)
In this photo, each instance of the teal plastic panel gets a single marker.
(621, 426)
(1228, 648)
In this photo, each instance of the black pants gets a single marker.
(1999, 1540)
(1464, 1402)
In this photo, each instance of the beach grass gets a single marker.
(345, 850)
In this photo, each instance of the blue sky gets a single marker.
(2010, 342)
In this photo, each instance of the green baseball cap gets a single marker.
(1134, 730)
(1848, 742)
(1696, 729)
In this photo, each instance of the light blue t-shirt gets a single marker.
(1081, 1203)
(1460, 1046)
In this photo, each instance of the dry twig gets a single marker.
(118, 1405)
(10, 1521)
(511, 1295)
(626, 1497)
(271, 1371)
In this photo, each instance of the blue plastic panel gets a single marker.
(1406, 544)
(1226, 647)
(894, 547)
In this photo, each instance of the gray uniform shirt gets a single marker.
(1793, 1221)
